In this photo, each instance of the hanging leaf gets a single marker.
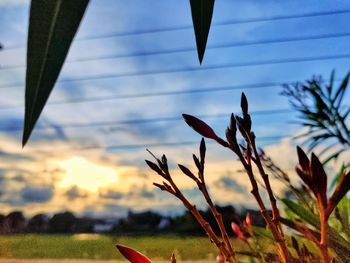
(52, 27)
(132, 255)
(202, 13)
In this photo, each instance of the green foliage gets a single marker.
(323, 113)
(302, 213)
(52, 27)
(341, 219)
(310, 219)
(340, 245)
(202, 12)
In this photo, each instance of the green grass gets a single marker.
(103, 246)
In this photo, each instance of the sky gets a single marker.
(131, 72)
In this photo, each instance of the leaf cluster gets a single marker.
(323, 113)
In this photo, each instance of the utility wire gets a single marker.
(261, 85)
(181, 143)
(199, 69)
(158, 94)
(150, 145)
(223, 23)
(138, 121)
(193, 49)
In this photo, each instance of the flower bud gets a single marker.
(248, 219)
(220, 259)
(200, 126)
(237, 230)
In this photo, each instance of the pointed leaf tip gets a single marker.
(202, 13)
(132, 255)
(52, 27)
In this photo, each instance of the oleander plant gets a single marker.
(314, 225)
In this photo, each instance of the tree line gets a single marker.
(146, 222)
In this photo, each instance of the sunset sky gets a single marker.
(131, 72)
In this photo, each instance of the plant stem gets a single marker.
(265, 177)
(324, 232)
(283, 250)
(218, 217)
(229, 255)
(273, 224)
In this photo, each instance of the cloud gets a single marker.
(37, 194)
(135, 193)
(106, 210)
(13, 2)
(75, 192)
(111, 194)
(228, 183)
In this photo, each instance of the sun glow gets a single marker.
(86, 174)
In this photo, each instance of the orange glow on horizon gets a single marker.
(86, 174)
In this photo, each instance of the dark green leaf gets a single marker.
(334, 156)
(338, 175)
(262, 232)
(341, 90)
(52, 27)
(330, 86)
(341, 248)
(313, 220)
(303, 213)
(202, 12)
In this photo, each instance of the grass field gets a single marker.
(87, 246)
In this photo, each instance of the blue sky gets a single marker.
(37, 175)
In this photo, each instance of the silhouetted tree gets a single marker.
(38, 223)
(139, 222)
(63, 223)
(15, 222)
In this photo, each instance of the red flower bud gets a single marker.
(237, 230)
(220, 259)
(200, 126)
(248, 219)
(202, 150)
(187, 172)
(132, 255)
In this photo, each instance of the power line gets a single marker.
(159, 94)
(197, 68)
(193, 49)
(260, 85)
(223, 23)
(153, 145)
(139, 121)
